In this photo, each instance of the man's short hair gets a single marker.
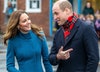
(65, 4)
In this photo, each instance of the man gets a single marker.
(75, 44)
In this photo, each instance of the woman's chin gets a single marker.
(28, 29)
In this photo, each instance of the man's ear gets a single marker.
(68, 11)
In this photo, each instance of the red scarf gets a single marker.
(69, 24)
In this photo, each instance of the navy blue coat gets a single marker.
(84, 41)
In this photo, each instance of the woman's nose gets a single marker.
(28, 21)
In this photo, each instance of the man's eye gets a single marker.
(56, 13)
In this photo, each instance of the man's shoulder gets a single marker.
(81, 22)
(59, 30)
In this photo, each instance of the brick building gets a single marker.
(38, 11)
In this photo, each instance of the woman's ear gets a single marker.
(18, 27)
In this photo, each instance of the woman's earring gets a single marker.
(18, 27)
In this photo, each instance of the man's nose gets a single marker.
(55, 18)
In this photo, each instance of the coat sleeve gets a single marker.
(45, 53)
(52, 56)
(91, 47)
(10, 60)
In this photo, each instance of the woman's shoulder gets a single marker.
(13, 39)
(42, 32)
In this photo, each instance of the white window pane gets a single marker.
(33, 5)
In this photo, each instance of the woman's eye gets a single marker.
(28, 18)
(24, 21)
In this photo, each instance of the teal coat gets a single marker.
(30, 52)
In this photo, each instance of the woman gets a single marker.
(88, 9)
(9, 11)
(27, 43)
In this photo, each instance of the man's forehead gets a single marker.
(54, 9)
(55, 6)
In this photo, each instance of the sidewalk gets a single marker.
(2, 56)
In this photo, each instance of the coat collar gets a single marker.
(73, 32)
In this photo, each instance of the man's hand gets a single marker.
(63, 55)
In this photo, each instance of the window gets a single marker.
(14, 4)
(33, 6)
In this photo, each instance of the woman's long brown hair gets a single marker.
(13, 22)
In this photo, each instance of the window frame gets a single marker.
(28, 9)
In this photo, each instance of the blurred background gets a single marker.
(40, 12)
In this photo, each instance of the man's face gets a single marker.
(59, 15)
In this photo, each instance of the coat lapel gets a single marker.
(61, 38)
(72, 34)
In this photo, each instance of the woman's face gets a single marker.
(24, 23)
(88, 4)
